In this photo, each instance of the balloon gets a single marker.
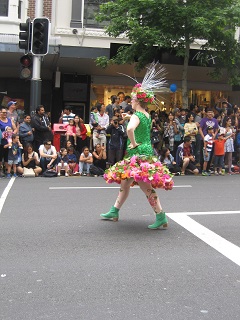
(173, 87)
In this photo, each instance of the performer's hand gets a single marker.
(131, 146)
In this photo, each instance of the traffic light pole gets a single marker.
(36, 82)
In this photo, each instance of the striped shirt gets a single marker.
(209, 140)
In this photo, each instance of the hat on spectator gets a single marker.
(114, 118)
(175, 110)
(209, 128)
(221, 132)
(10, 103)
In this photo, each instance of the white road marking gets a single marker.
(66, 188)
(205, 213)
(5, 193)
(225, 247)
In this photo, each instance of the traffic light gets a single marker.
(25, 35)
(40, 31)
(26, 67)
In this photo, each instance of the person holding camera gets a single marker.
(115, 145)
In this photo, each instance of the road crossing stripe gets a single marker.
(225, 247)
(5, 193)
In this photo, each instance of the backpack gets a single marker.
(96, 171)
(49, 174)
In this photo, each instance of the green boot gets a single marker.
(111, 214)
(161, 220)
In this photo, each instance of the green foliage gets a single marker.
(174, 24)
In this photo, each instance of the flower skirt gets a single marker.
(141, 168)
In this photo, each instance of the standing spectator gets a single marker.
(208, 121)
(13, 152)
(219, 153)
(85, 162)
(178, 132)
(103, 123)
(111, 106)
(26, 131)
(12, 112)
(229, 147)
(185, 158)
(81, 133)
(121, 97)
(170, 129)
(115, 145)
(207, 150)
(182, 117)
(156, 131)
(5, 122)
(199, 115)
(66, 115)
(42, 127)
(191, 130)
(48, 155)
(125, 102)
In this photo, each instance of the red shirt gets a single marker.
(186, 151)
(219, 147)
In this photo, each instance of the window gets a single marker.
(91, 8)
(4, 8)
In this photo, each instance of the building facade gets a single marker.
(69, 73)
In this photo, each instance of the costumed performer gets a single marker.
(140, 166)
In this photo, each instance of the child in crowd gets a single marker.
(219, 154)
(63, 163)
(71, 131)
(167, 159)
(85, 162)
(94, 119)
(72, 161)
(14, 149)
(7, 134)
(207, 149)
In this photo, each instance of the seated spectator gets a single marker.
(48, 155)
(99, 156)
(185, 158)
(72, 161)
(115, 145)
(85, 162)
(99, 161)
(167, 159)
(30, 160)
(71, 131)
(63, 162)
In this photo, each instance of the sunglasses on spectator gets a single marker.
(48, 144)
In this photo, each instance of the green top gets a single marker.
(142, 136)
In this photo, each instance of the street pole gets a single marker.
(36, 82)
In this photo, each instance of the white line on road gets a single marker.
(226, 248)
(66, 188)
(5, 193)
(206, 213)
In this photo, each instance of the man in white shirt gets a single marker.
(48, 155)
(66, 115)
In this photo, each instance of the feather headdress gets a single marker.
(153, 81)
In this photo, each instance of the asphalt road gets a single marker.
(59, 260)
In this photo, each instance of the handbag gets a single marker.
(28, 172)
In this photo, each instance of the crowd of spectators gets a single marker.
(198, 140)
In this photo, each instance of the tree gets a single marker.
(151, 25)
